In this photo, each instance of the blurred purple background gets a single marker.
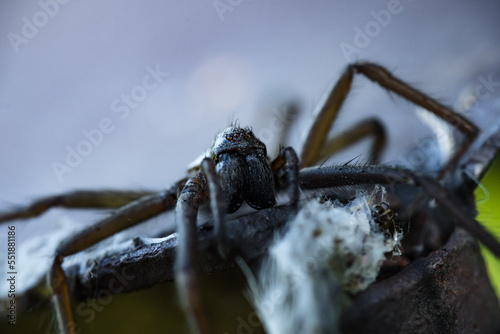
(64, 69)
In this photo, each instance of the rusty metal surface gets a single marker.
(447, 291)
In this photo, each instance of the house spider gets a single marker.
(238, 171)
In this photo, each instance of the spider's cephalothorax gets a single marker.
(243, 169)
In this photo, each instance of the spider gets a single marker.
(238, 171)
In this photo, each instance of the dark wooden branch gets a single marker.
(149, 263)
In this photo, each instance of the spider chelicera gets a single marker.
(238, 171)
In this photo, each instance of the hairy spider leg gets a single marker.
(332, 176)
(217, 206)
(186, 212)
(190, 198)
(80, 199)
(129, 215)
(367, 128)
(320, 128)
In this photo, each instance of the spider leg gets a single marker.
(121, 219)
(369, 127)
(455, 209)
(56, 280)
(186, 212)
(346, 175)
(329, 111)
(127, 216)
(287, 158)
(81, 199)
(332, 176)
(216, 205)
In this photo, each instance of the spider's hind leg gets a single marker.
(367, 128)
(328, 113)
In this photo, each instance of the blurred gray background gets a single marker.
(66, 68)
(221, 66)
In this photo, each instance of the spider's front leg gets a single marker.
(191, 197)
(127, 216)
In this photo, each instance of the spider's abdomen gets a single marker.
(243, 169)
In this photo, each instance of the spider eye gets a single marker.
(229, 138)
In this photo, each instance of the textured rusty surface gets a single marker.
(447, 291)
